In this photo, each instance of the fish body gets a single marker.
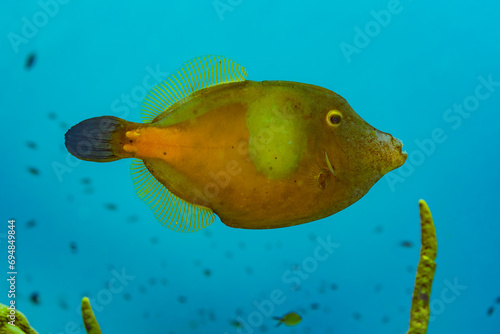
(257, 154)
(289, 319)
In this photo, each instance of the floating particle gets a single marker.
(498, 300)
(249, 270)
(197, 262)
(269, 246)
(490, 310)
(85, 180)
(163, 264)
(385, 319)
(52, 115)
(35, 298)
(207, 272)
(193, 325)
(133, 219)
(164, 281)
(127, 296)
(152, 281)
(213, 245)
(88, 190)
(263, 328)
(31, 144)
(229, 255)
(377, 287)
(142, 289)
(30, 61)
(145, 315)
(313, 237)
(154, 240)
(410, 269)
(239, 311)
(62, 303)
(63, 125)
(33, 171)
(242, 245)
(327, 309)
(110, 206)
(236, 324)
(212, 317)
(208, 233)
(73, 247)
(378, 229)
(279, 244)
(406, 244)
(31, 223)
(314, 306)
(182, 299)
(334, 287)
(356, 316)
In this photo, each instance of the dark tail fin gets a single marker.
(97, 139)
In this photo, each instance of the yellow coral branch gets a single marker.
(89, 319)
(420, 311)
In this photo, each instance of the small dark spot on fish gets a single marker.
(35, 298)
(195, 112)
(275, 158)
(31, 144)
(31, 223)
(130, 141)
(182, 299)
(110, 206)
(270, 168)
(33, 171)
(232, 147)
(30, 61)
(73, 247)
(424, 297)
(207, 272)
(406, 243)
(164, 153)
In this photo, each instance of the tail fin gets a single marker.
(97, 139)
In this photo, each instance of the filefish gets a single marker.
(258, 155)
(289, 319)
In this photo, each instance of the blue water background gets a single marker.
(402, 80)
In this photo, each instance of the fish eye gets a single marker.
(334, 117)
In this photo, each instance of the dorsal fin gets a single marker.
(194, 75)
(170, 210)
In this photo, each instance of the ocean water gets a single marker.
(428, 73)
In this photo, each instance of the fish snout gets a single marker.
(391, 151)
